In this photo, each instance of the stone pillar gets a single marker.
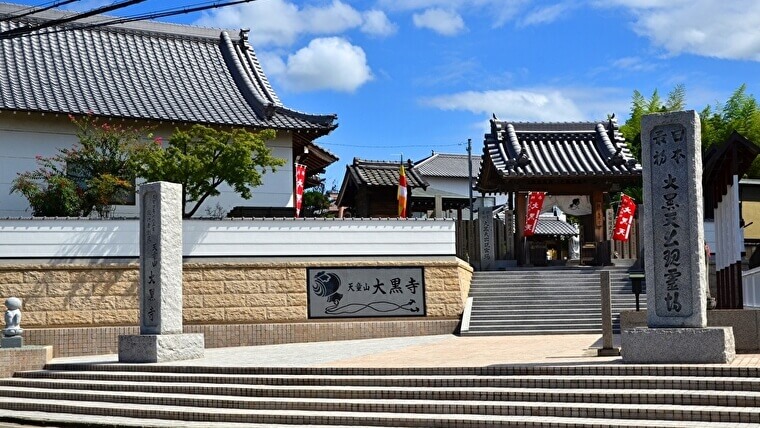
(161, 337)
(438, 211)
(521, 211)
(673, 237)
(487, 242)
(607, 346)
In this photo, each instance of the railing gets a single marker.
(751, 288)
(119, 238)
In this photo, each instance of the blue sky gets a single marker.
(412, 76)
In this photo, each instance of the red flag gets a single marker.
(401, 192)
(535, 202)
(300, 179)
(624, 218)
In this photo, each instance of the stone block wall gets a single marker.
(105, 294)
(23, 359)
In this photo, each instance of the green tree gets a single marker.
(740, 113)
(640, 106)
(316, 201)
(203, 158)
(90, 176)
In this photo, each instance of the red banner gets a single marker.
(535, 202)
(300, 180)
(624, 218)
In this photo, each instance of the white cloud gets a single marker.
(518, 105)
(330, 63)
(634, 63)
(333, 19)
(500, 11)
(538, 104)
(444, 22)
(377, 23)
(282, 22)
(721, 29)
(272, 22)
(546, 15)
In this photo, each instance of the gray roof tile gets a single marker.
(551, 225)
(382, 173)
(150, 70)
(529, 150)
(447, 165)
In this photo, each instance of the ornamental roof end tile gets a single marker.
(522, 150)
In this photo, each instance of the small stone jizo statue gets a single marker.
(13, 317)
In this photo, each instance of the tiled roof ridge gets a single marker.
(551, 127)
(264, 107)
(156, 28)
(366, 162)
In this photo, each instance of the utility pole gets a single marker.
(470, 226)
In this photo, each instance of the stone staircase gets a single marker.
(527, 396)
(545, 301)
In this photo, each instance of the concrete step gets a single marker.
(533, 395)
(635, 396)
(281, 410)
(531, 380)
(447, 421)
(709, 371)
(531, 300)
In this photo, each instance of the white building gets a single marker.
(137, 74)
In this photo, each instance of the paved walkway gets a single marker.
(419, 351)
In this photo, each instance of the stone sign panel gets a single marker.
(161, 337)
(161, 258)
(487, 250)
(674, 260)
(366, 292)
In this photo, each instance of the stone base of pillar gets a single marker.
(159, 348)
(12, 342)
(686, 345)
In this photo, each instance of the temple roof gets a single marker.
(367, 173)
(519, 156)
(722, 162)
(549, 224)
(447, 165)
(149, 71)
(382, 173)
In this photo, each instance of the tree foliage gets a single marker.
(640, 106)
(203, 158)
(740, 113)
(90, 176)
(316, 201)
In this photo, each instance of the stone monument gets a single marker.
(673, 239)
(160, 292)
(12, 331)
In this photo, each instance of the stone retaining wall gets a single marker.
(94, 295)
(69, 342)
(69, 305)
(23, 359)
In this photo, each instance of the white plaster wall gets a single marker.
(460, 186)
(89, 238)
(22, 137)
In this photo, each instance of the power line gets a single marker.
(321, 143)
(53, 22)
(132, 18)
(31, 10)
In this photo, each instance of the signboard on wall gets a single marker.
(487, 250)
(366, 292)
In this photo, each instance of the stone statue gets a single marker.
(13, 317)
